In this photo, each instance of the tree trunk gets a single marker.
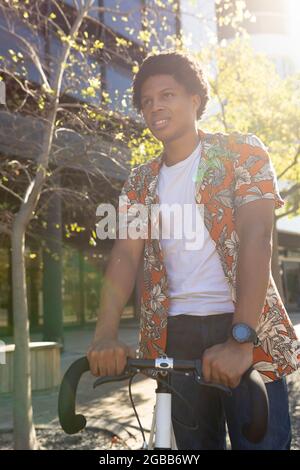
(24, 432)
(275, 263)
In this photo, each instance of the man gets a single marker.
(218, 302)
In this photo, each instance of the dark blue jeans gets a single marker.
(188, 337)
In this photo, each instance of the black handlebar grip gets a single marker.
(69, 420)
(256, 429)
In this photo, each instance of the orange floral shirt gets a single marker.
(234, 169)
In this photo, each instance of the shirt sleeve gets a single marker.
(254, 173)
(129, 200)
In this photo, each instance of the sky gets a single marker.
(294, 30)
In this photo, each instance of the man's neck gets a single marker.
(179, 149)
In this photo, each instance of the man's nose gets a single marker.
(156, 104)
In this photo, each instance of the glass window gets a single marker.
(292, 283)
(71, 288)
(82, 80)
(10, 46)
(162, 23)
(92, 278)
(34, 274)
(93, 12)
(71, 3)
(128, 22)
(118, 85)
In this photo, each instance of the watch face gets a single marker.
(241, 333)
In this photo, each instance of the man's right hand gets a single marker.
(108, 356)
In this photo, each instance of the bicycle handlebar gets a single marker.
(71, 423)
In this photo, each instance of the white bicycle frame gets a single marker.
(162, 433)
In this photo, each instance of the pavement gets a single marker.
(108, 407)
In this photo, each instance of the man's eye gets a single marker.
(145, 102)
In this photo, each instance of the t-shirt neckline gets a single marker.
(183, 162)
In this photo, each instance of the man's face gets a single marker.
(164, 99)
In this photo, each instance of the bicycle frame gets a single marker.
(165, 439)
(162, 434)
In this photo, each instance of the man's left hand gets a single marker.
(227, 362)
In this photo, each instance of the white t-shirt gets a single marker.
(197, 283)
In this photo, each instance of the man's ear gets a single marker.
(197, 101)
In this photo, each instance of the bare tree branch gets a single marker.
(19, 82)
(291, 211)
(290, 191)
(57, 5)
(74, 192)
(294, 162)
(33, 55)
(10, 191)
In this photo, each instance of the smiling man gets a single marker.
(217, 302)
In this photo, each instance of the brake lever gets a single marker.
(221, 387)
(198, 377)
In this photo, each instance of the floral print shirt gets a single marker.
(234, 169)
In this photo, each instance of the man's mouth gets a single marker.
(160, 124)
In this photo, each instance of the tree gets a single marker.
(23, 423)
(248, 95)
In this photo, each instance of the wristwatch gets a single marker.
(243, 333)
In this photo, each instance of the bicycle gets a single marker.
(162, 435)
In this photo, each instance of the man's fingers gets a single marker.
(108, 357)
(93, 368)
(100, 366)
(233, 383)
(131, 352)
(93, 363)
(110, 362)
(120, 364)
(216, 377)
(121, 358)
(224, 381)
(211, 373)
(120, 361)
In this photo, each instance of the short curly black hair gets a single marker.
(182, 66)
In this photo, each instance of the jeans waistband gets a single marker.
(201, 317)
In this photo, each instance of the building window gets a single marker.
(162, 22)
(118, 84)
(93, 13)
(128, 22)
(11, 45)
(291, 278)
